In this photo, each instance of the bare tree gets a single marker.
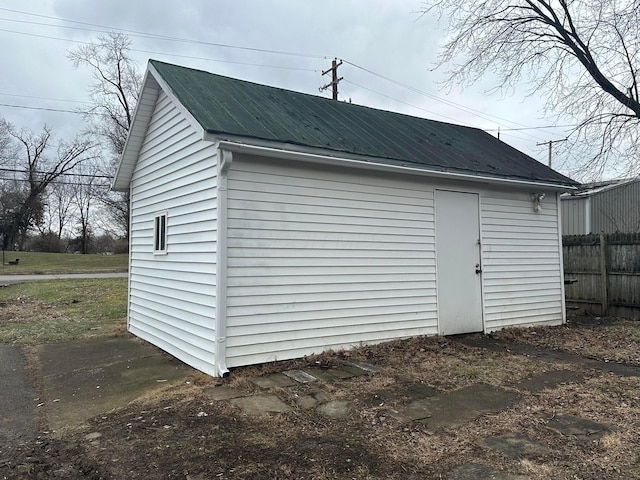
(583, 55)
(60, 204)
(84, 194)
(37, 164)
(114, 95)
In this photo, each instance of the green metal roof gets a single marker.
(228, 106)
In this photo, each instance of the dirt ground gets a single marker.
(183, 433)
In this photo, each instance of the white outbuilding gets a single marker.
(268, 224)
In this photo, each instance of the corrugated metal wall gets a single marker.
(574, 218)
(171, 302)
(616, 209)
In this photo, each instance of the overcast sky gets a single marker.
(374, 38)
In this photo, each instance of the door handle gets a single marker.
(478, 269)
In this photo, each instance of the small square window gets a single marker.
(160, 234)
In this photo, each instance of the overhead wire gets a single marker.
(137, 33)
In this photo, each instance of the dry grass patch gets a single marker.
(608, 339)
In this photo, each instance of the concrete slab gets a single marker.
(325, 375)
(60, 358)
(276, 380)
(419, 390)
(476, 471)
(456, 407)
(354, 370)
(514, 446)
(260, 405)
(367, 367)
(300, 376)
(224, 392)
(17, 398)
(550, 380)
(82, 379)
(581, 428)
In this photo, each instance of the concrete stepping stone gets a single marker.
(260, 405)
(224, 392)
(514, 446)
(582, 429)
(419, 390)
(276, 380)
(549, 380)
(456, 407)
(325, 375)
(367, 367)
(300, 376)
(477, 471)
(335, 409)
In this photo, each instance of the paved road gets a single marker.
(11, 279)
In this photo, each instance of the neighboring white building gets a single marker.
(611, 206)
(268, 224)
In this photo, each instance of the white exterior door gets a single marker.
(458, 263)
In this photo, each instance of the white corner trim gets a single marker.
(225, 158)
(562, 287)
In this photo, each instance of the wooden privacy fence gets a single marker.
(606, 271)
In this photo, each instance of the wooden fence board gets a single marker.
(605, 278)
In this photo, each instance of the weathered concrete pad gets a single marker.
(514, 445)
(276, 380)
(551, 356)
(224, 392)
(325, 375)
(17, 398)
(476, 471)
(259, 405)
(582, 429)
(367, 367)
(419, 390)
(457, 407)
(335, 409)
(84, 378)
(550, 379)
(300, 376)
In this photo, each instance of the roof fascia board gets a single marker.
(121, 180)
(117, 182)
(371, 163)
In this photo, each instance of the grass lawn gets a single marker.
(41, 263)
(49, 311)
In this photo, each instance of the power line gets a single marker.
(221, 45)
(48, 109)
(15, 170)
(40, 98)
(135, 33)
(164, 53)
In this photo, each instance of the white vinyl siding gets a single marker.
(320, 257)
(522, 281)
(172, 296)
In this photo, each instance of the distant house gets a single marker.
(268, 224)
(612, 206)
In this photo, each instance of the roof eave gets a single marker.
(289, 152)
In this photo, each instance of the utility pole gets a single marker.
(334, 78)
(550, 143)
